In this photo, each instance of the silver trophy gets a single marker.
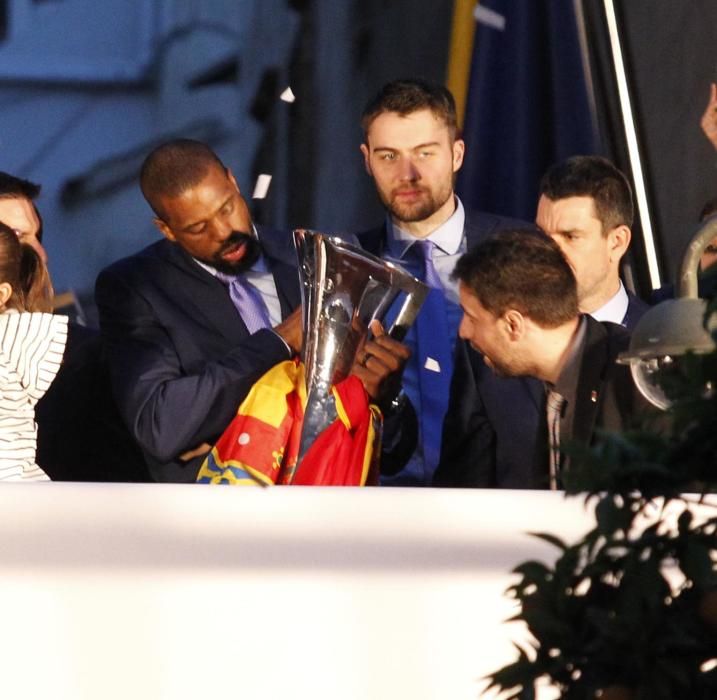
(343, 289)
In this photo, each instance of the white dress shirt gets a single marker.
(615, 309)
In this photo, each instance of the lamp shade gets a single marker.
(662, 337)
(673, 328)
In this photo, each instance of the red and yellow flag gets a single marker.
(261, 444)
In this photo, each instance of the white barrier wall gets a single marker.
(160, 591)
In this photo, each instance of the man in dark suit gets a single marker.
(193, 321)
(412, 152)
(520, 312)
(586, 206)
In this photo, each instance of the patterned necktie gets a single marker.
(554, 407)
(435, 364)
(247, 301)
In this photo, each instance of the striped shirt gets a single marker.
(31, 348)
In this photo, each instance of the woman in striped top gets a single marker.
(32, 341)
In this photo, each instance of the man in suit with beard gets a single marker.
(520, 312)
(585, 205)
(192, 321)
(412, 151)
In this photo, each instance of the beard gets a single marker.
(422, 208)
(499, 368)
(511, 366)
(506, 362)
(252, 251)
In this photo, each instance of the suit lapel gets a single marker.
(204, 294)
(591, 381)
(635, 309)
(478, 225)
(286, 279)
(280, 256)
(374, 241)
(536, 391)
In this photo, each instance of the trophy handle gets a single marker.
(409, 310)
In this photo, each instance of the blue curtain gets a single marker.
(527, 106)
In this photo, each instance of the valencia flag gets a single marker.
(261, 444)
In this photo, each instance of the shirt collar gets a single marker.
(615, 309)
(567, 382)
(447, 237)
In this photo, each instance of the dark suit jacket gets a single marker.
(181, 358)
(80, 435)
(495, 432)
(478, 225)
(636, 307)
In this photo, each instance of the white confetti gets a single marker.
(287, 95)
(491, 18)
(244, 439)
(262, 186)
(432, 365)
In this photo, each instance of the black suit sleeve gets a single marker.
(468, 457)
(169, 408)
(400, 436)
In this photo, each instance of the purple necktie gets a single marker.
(247, 301)
(430, 274)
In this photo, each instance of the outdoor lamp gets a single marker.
(672, 328)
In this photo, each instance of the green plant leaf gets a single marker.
(533, 570)
(613, 517)
(550, 539)
(604, 613)
(684, 522)
(696, 562)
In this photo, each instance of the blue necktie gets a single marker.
(247, 301)
(435, 364)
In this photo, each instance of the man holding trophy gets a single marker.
(192, 321)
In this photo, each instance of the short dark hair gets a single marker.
(407, 96)
(12, 187)
(173, 168)
(596, 177)
(521, 269)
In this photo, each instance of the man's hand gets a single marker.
(709, 118)
(291, 330)
(198, 451)
(380, 364)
